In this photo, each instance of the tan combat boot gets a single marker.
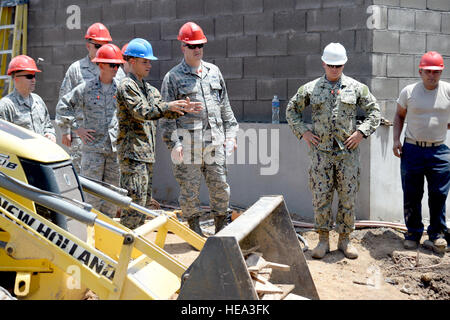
(346, 247)
(323, 247)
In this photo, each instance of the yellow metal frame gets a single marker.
(143, 270)
(19, 41)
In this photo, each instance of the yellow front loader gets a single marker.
(42, 258)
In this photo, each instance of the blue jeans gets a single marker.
(432, 163)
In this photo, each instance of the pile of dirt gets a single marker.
(384, 269)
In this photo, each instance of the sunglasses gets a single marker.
(96, 45)
(114, 65)
(28, 76)
(333, 67)
(193, 46)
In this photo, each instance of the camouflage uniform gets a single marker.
(138, 104)
(334, 167)
(14, 108)
(78, 72)
(99, 112)
(202, 136)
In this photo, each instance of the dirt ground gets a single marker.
(383, 271)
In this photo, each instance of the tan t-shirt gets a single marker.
(428, 111)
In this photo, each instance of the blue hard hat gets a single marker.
(140, 48)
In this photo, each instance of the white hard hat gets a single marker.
(334, 54)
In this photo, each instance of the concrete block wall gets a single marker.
(407, 30)
(263, 47)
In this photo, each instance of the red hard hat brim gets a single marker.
(23, 69)
(100, 60)
(432, 68)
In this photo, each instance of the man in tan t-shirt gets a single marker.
(426, 107)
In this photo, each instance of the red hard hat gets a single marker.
(431, 61)
(98, 32)
(191, 33)
(22, 63)
(109, 53)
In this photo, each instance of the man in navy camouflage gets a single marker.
(138, 104)
(333, 140)
(197, 141)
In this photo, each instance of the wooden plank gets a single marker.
(287, 288)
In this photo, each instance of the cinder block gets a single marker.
(308, 4)
(169, 29)
(358, 65)
(241, 46)
(162, 49)
(439, 43)
(258, 67)
(417, 4)
(41, 18)
(258, 23)
(218, 7)
(346, 38)
(140, 11)
(122, 33)
(384, 88)
(400, 66)
(354, 18)
(34, 37)
(277, 5)
(322, 20)
(289, 67)
(271, 45)
(402, 83)
(266, 89)
(190, 8)
(442, 5)
(412, 42)
(258, 111)
(386, 41)
(445, 28)
(342, 3)
(295, 84)
(231, 68)
(401, 19)
(114, 13)
(215, 48)
(314, 66)
(68, 54)
(75, 37)
(247, 6)
(52, 38)
(292, 21)
(428, 21)
(363, 41)
(229, 25)
(304, 43)
(243, 89)
(379, 65)
(163, 9)
(147, 30)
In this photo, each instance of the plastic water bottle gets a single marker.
(275, 110)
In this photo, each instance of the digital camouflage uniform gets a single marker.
(202, 136)
(99, 112)
(333, 166)
(138, 104)
(78, 72)
(15, 109)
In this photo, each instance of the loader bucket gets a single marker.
(220, 272)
